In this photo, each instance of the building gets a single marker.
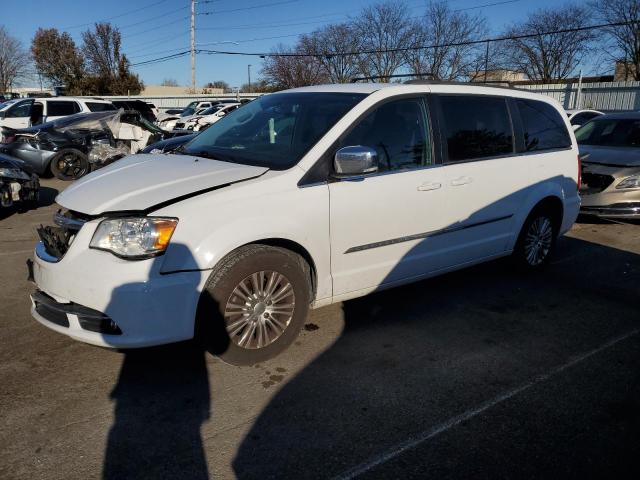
(498, 75)
(166, 91)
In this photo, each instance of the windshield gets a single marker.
(274, 131)
(610, 132)
(189, 110)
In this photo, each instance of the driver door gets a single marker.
(381, 224)
(18, 115)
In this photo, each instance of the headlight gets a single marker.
(630, 182)
(14, 173)
(134, 238)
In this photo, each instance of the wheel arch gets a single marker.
(296, 248)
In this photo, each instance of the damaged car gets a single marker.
(208, 117)
(71, 147)
(19, 186)
(610, 151)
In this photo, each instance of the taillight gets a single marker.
(579, 173)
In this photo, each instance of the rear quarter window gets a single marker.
(100, 107)
(476, 126)
(543, 126)
(62, 108)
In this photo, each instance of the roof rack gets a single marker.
(488, 83)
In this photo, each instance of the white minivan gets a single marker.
(300, 199)
(26, 112)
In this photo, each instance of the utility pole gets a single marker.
(193, 46)
(249, 74)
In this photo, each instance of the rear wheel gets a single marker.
(537, 239)
(257, 299)
(69, 164)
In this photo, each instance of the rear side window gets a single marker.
(476, 127)
(59, 108)
(582, 118)
(542, 125)
(100, 107)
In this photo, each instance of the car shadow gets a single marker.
(162, 397)
(411, 358)
(47, 196)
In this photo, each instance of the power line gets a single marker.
(265, 5)
(155, 28)
(486, 5)
(164, 15)
(114, 17)
(422, 47)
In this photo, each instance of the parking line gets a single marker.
(458, 419)
(15, 252)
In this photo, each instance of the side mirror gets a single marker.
(356, 160)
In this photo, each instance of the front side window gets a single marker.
(274, 131)
(20, 111)
(542, 125)
(476, 126)
(613, 132)
(398, 132)
(61, 108)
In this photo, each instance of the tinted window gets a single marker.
(610, 131)
(476, 127)
(57, 108)
(20, 111)
(582, 118)
(100, 107)
(543, 126)
(398, 132)
(274, 131)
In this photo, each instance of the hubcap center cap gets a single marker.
(259, 308)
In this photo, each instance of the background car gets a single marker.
(578, 118)
(207, 117)
(139, 106)
(169, 145)
(610, 151)
(71, 147)
(26, 112)
(18, 183)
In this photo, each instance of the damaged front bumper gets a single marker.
(98, 298)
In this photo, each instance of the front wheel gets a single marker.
(257, 299)
(537, 240)
(69, 164)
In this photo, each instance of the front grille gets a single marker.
(48, 313)
(57, 239)
(179, 125)
(594, 183)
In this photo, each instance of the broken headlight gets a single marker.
(630, 182)
(134, 238)
(14, 173)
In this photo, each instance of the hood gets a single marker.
(614, 156)
(142, 181)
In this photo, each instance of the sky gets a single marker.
(157, 28)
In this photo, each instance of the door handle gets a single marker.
(456, 182)
(426, 186)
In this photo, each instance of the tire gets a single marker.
(254, 304)
(69, 164)
(537, 239)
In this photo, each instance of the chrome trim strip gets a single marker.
(419, 236)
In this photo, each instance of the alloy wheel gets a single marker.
(538, 241)
(259, 309)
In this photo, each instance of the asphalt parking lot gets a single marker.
(483, 373)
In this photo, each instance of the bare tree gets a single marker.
(14, 60)
(625, 39)
(446, 31)
(553, 56)
(382, 30)
(326, 42)
(284, 69)
(109, 67)
(169, 82)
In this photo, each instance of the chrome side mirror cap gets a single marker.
(355, 160)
